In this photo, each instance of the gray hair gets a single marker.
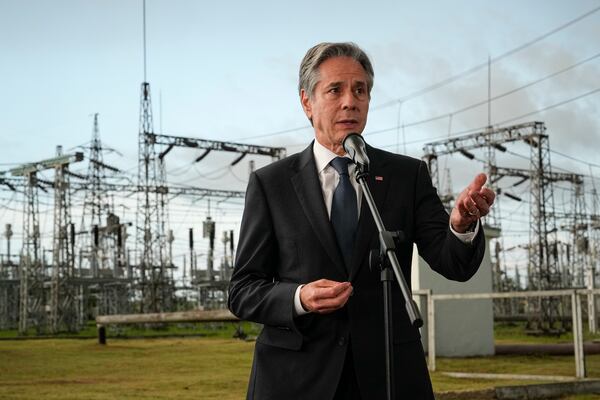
(309, 67)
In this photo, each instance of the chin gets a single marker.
(346, 133)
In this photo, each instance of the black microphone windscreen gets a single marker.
(355, 146)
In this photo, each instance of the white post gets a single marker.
(578, 336)
(591, 300)
(431, 330)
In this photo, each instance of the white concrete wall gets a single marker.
(462, 327)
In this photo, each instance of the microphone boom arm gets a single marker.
(386, 260)
(388, 247)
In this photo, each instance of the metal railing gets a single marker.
(182, 316)
(225, 315)
(576, 315)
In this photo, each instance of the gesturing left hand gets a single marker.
(472, 203)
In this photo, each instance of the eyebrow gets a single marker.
(340, 83)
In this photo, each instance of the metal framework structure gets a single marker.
(9, 285)
(103, 271)
(544, 267)
(63, 305)
(108, 291)
(152, 231)
(101, 247)
(594, 254)
(32, 276)
(209, 145)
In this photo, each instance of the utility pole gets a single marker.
(63, 306)
(209, 233)
(31, 274)
(101, 247)
(31, 270)
(150, 234)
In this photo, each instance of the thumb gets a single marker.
(478, 182)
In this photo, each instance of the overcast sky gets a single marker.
(227, 70)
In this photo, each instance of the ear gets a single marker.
(306, 104)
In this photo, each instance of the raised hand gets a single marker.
(472, 203)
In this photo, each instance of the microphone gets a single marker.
(355, 146)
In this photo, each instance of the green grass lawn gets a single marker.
(510, 333)
(188, 368)
(210, 365)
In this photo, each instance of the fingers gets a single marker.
(473, 203)
(333, 303)
(478, 182)
(323, 305)
(326, 292)
(476, 200)
(325, 296)
(488, 195)
(481, 204)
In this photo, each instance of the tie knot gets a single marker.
(340, 164)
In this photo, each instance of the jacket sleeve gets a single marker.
(438, 246)
(255, 292)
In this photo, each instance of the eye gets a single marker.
(334, 89)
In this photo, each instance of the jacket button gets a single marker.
(342, 341)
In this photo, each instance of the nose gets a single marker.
(349, 101)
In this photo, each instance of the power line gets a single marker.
(460, 133)
(281, 132)
(550, 106)
(454, 78)
(485, 64)
(483, 102)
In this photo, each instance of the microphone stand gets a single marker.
(388, 263)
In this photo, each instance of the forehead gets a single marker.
(338, 69)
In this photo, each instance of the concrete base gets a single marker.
(547, 390)
(463, 328)
(525, 392)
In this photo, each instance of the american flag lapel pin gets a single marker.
(378, 178)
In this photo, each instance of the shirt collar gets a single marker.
(323, 156)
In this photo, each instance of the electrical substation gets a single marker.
(102, 264)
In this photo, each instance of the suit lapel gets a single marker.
(307, 187)
(378, 184)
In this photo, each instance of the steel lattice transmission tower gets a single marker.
(96, 206)
(156, 288)
(31, 273)
(594, 232)
(63, 304)
(543, 259)
(9, 287)
(543, 239)
(102, 249)
(32, 293)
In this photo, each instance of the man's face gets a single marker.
(340, 102)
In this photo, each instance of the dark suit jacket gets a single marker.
(286, 239)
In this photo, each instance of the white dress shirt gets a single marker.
(329, 178)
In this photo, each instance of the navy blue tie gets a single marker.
(344, 211)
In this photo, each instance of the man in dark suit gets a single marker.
(302, 269)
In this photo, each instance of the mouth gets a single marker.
(347, 123)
